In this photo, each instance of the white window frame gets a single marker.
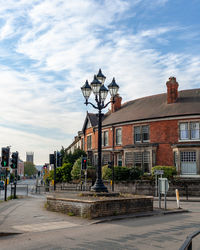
(116, 140)
(105, 142)
(140, 128)
(189, 133)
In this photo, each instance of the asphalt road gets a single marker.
(41, 229)
(24, 187)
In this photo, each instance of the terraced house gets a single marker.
(163, 129)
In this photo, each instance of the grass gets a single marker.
(11, 197)
(70, 214)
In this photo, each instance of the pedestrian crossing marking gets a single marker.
(41, 227)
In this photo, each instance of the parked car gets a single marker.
(2, 185)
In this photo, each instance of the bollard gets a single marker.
(177, 198)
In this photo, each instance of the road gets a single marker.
(41, 229)
(24, 187)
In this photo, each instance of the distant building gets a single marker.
(29, 156)
(20, 169)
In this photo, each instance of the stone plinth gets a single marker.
(93, 207)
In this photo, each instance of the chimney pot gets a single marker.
(172, 90)
(117, 105)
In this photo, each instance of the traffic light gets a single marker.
(59, 159)
(14, 160)
(5, 155)
(84, 163)
(110, 164)
(51, 159)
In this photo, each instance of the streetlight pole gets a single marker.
(100, 92)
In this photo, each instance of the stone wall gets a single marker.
(100, 208)
(186, 187)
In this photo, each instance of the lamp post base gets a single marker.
(99, 186)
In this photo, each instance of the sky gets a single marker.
(48, 48)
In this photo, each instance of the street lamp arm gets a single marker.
(91, 104)
(113, 101)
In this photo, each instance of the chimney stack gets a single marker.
(172, 90)
(117, 105)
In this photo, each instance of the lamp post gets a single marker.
(100, 92)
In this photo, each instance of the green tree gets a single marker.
(29, 169)
(76, 170)
(71, 158)
(66, 172)
(63, 174)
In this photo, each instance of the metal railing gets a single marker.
(187, 245)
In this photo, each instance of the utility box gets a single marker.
(163, 185)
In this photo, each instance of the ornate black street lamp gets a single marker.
(100, 92)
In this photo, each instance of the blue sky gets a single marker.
(48, 48)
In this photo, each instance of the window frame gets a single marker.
(89, 142)
(105, 134)
(189, 131)
(118, 143)
(141, 134)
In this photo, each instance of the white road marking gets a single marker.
(40, 227)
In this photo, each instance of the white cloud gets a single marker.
(60, 44)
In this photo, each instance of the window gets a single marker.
(119, 160)
(141, 133)
(118, 136)
(194, 126)
(142, 160)
(189, 131)
(89, 142)
(105, 159)
(145, 133)
(184, 132)
(188, 156)
(105, 138)
(129, 159)
(137, 134)
(188, 163)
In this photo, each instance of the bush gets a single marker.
(121, 173)
(169, 171)
(106, 173)
(76, 170)
(135, 173)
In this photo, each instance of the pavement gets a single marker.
(30, 215)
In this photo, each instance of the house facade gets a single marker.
(163, 129)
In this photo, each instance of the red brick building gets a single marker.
(163, 129)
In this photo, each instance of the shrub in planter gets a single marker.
(169, 171)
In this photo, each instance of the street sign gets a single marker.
(159, 172)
